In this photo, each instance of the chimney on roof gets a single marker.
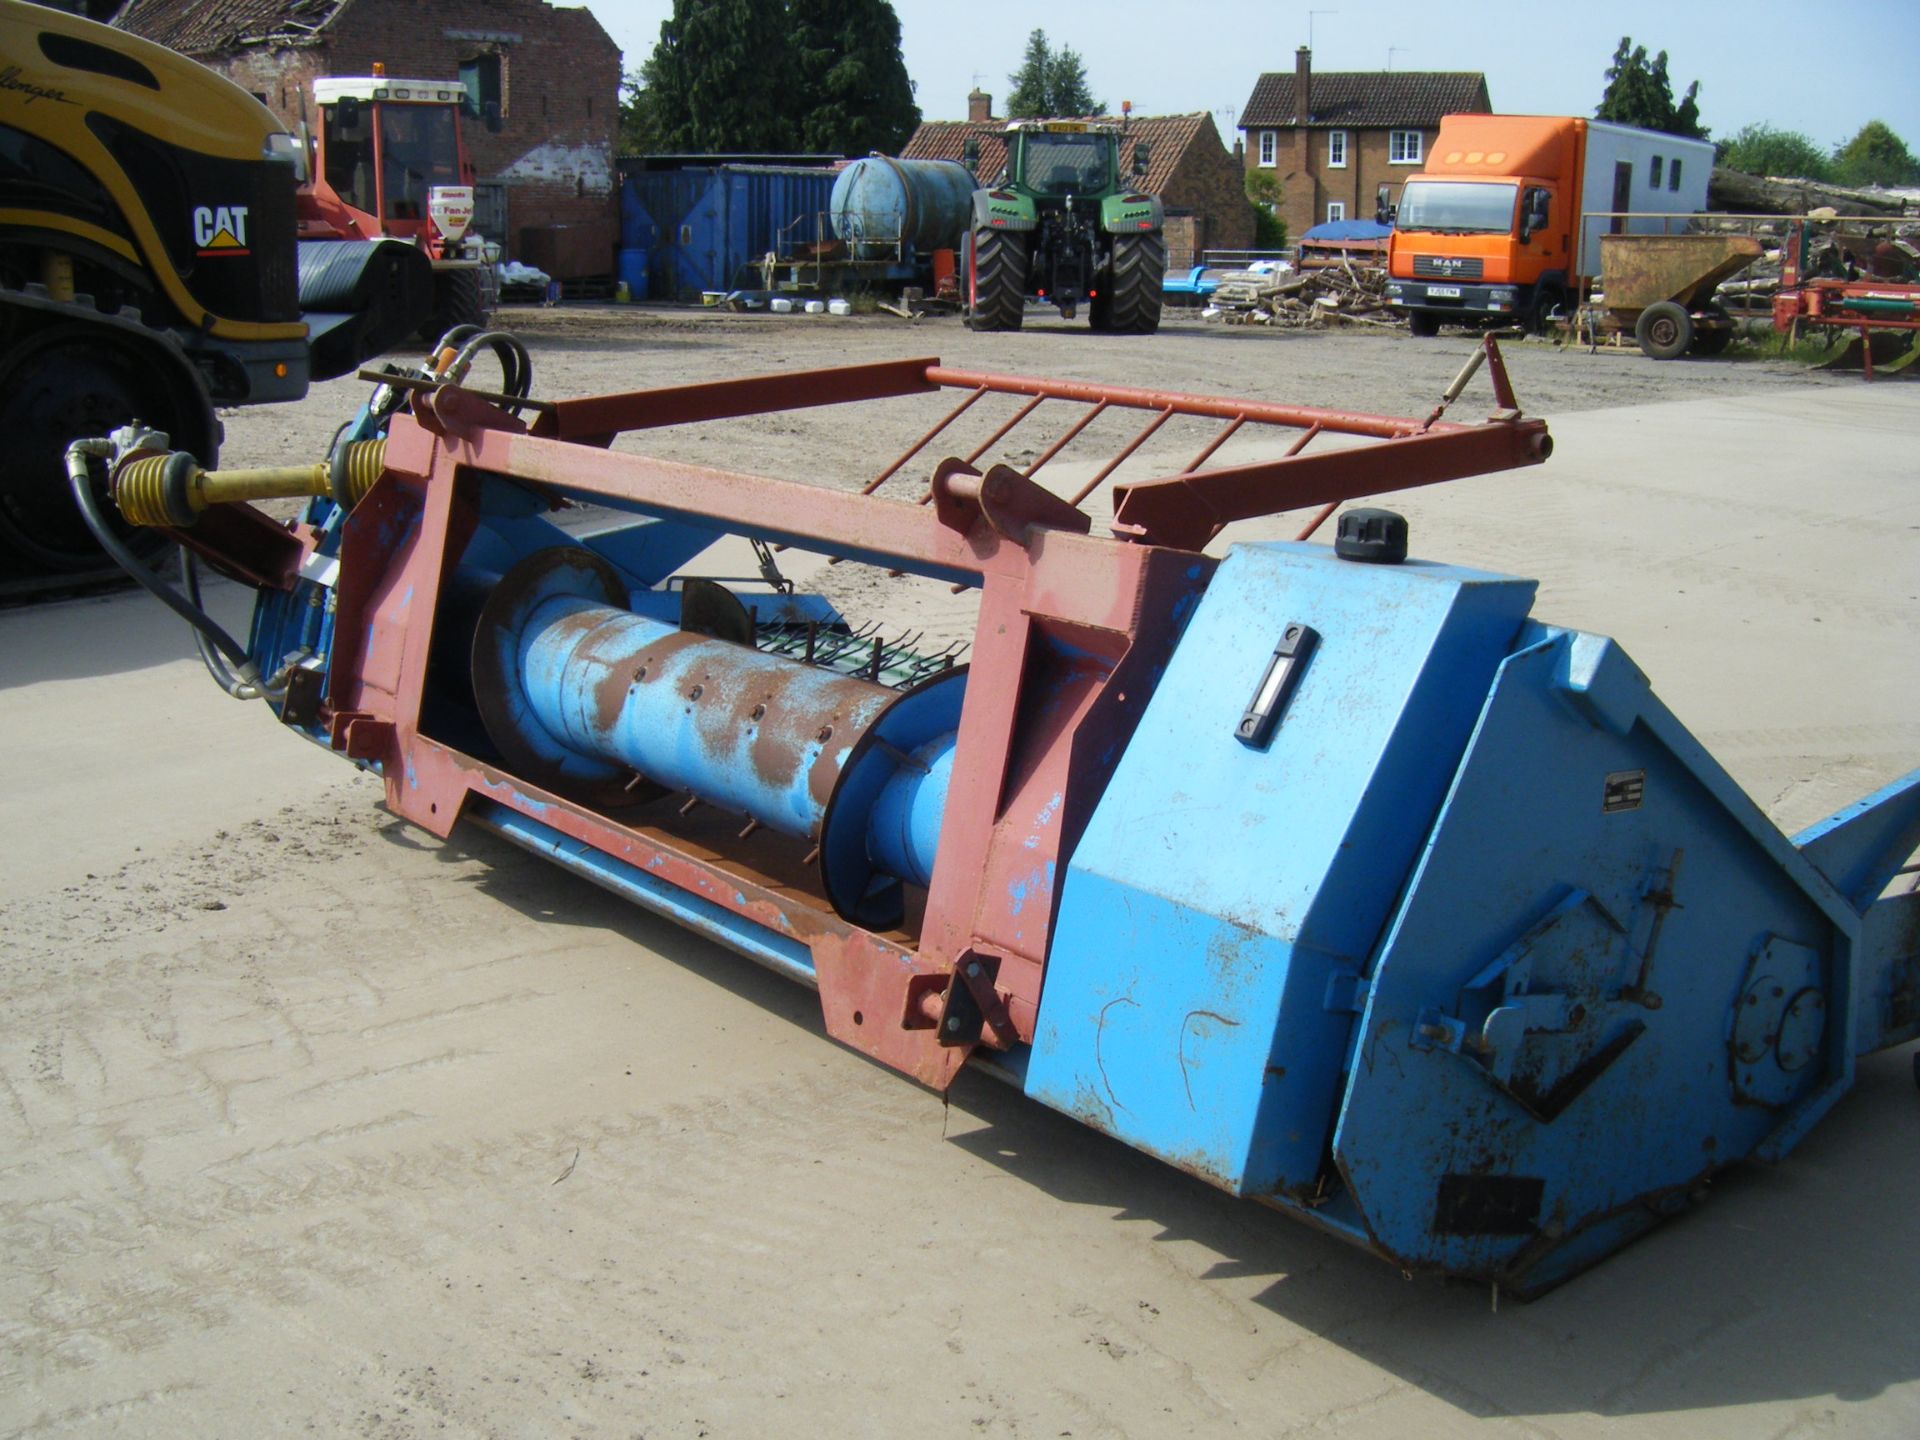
(979, 107)
(1302, 86)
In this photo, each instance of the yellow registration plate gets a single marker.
(1066, 127)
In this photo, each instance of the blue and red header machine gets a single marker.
(1333, 877)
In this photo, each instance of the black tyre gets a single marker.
(1549, 299)
(1664, 330)
(1713, 340)
(997, 281)
(1134, 286)
(458, 299)
(1423, 323)
(71, 383)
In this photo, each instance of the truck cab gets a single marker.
(1504, 223)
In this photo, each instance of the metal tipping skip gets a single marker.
(1347, 886)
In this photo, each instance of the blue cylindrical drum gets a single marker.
(885, 208)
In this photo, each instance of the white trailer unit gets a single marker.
(1640, 173)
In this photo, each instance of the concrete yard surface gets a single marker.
(312, 1124)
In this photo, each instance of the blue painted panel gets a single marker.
(1546, 1043)
(702, 226)
(1219, 890)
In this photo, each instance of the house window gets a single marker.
(1653, 172)
(481, 77)
(1673, 175)
(1267, 148)
(1336, 149)
(1404, 147)
(1336, 210)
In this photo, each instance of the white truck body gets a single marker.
(1680, 167)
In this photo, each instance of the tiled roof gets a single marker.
(1167, 137)
(197, 27)
(1362, 99)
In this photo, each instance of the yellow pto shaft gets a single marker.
(172, 489)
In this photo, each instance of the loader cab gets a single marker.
(387, 150)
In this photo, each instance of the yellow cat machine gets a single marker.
(150, 268)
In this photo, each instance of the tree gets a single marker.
(1264, 193)
(717, 81)
(1875, 156)
(1759, 149)
(856, 95)
(1639, 93)
(639, 126)
(1050, 82)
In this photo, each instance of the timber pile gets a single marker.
(1735, 193)
(1340, 294)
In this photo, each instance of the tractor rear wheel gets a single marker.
(1134, 287)
(996, 280)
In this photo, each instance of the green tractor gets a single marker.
(1063, 225)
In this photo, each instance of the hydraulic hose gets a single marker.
(80, 455)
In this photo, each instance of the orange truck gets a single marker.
(1505, 221)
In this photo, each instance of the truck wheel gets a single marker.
(1547, 299)
(997, 281)
(1664, 330)
(1134, 288)
(458, 299)
(1423, 323)
(70, 384)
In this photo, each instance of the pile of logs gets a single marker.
(1342, 294)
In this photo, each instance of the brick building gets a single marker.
(1188, 167)
(553, 72)
(1343, 143)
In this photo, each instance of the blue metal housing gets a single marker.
(1481, 962)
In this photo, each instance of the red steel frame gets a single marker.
(1073, 629)
(1824, 300)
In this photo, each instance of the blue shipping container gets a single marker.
(704, 227)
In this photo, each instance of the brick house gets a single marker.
(553, 71)
(1188, 167)
(1343, 143)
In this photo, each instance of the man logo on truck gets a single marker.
(220, 231)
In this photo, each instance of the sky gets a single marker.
(1821, 67)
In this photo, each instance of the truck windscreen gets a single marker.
(1468, 207)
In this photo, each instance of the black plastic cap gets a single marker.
(1373, 537)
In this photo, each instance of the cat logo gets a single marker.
(221, 231)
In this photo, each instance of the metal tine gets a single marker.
(836, 644)
(1146, 433)
(922, 443)
(992, 440)
(1214, 444)
(985, 445)
(911, 451)
(1321, 515)
(1132, 445)
(1073, 431)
